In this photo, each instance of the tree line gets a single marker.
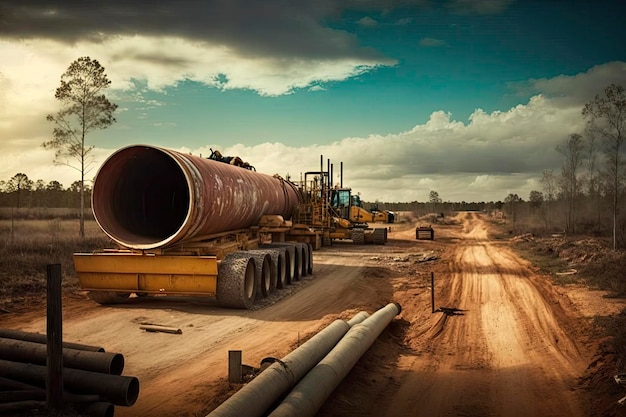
(22, 192)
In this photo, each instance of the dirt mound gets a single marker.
(576, 251)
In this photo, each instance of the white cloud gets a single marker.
(367, 22)
(484, 160)
(577, 89)
(31, 71)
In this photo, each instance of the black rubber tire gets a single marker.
(237, 281)
(299, 261)
(358, 236)
(279, 259)
(108, 297)
(304, 256)
(310, 269)
(290, 259)
(380, 235)
(266, 271)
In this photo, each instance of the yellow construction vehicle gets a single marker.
(359, 215)
(334, 211)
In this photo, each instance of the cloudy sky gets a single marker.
(465, 97)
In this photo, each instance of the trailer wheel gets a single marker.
(304, 249)
(297, 263)
(289, 265)
(358, 236)
(310, 270)
(278, 259)
(237, 281)
(108, 297)
(266, 272)
(380, 236)
(290, 259)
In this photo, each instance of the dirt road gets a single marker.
(506, 353)
(513, 350)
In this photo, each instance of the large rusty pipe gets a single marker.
(41, 338)
(258, 395)
(146, 197)
(306, 398)
(30, 352)
(119, 390)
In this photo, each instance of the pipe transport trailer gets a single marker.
(188, 225)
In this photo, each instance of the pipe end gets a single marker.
(399, 308)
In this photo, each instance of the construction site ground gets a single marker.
(516, 346)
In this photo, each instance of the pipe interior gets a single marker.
(141, 196)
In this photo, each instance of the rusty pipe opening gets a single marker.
(141, 196)
(146, 197)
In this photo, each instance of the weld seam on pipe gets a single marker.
(309, 394)
(255, 398)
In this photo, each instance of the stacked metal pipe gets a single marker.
(92, 378)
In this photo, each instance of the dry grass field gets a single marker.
(28, 245)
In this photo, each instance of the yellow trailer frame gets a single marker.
(125, 271)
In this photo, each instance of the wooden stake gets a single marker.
(163, 329)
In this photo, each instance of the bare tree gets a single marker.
(549, 182)
(572, 153)
(511, 202)
(606, 118)
(593, 177)
(17, 184)
(536, 199)
(84, 108)
(434, 200)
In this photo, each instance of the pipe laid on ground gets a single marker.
(31, 352)
(308, 396)
(41, 338)
(256, 397)
(120, 390)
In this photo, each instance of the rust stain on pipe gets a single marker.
(146, 197)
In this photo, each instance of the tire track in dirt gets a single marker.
(505, 356)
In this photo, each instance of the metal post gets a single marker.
(234, 366)
(54, 332)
